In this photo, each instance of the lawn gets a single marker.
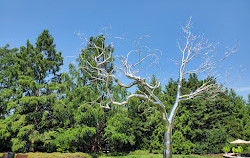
(84, 155)
(54, 155)
(157, 156)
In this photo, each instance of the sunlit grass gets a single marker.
(54, 155)
(85, 155)
(157, 156)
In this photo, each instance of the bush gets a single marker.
(117, 154)
(139, 152)
(226, 149)
(240, 149)
(234, 150)
(181, 145)
(157, 151)
(237, 150)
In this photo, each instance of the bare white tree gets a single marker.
(194, 48)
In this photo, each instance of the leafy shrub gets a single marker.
(139, 152)
(237, 150)
(157, 151)
(18, 145)
(117, 154)
(157, 138)
(212, 141)
(64, 148)
(121, 136)
(240, 149)
(226, 149)
(234, 150)
(181, 145)
(49, 140)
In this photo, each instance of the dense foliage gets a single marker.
(42, 109)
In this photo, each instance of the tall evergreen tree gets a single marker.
(37, 69)
(8, 77)
(81, 112)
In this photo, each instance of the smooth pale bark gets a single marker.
(168, 143)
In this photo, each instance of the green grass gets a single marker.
(137, 156)
(54, 155)
(157, 156)
(85, 155)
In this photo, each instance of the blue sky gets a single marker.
(224, 21)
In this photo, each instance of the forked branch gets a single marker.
(194, 48)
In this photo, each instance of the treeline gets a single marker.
(42, 109)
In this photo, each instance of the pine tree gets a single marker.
(35, 91)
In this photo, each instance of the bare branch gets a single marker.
(194, 48)
(140, 96)
(205, 88)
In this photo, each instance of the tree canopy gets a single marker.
(44, 109)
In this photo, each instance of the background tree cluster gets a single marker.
(43, 109)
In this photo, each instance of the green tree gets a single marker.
(5, 134)
(119, 132)
(246, 126)
(146, 120)
(79, 107)
(181, 144)
(8, 77)
(35, 89)
(96, 47)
